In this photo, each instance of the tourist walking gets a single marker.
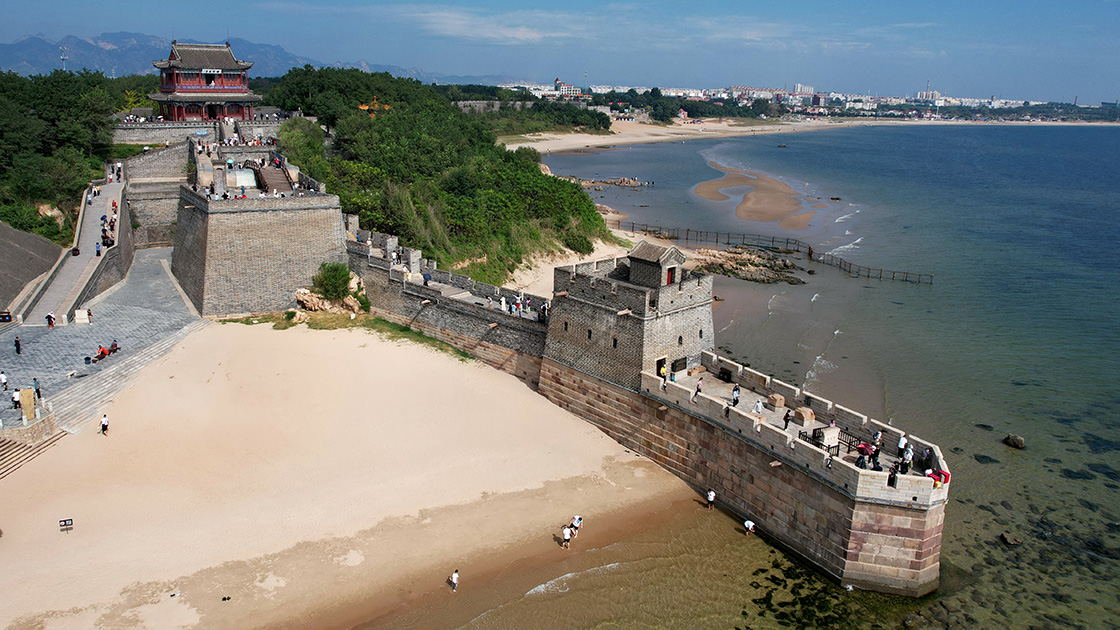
(3, 380)
(89, 315)
(786, 419)
(104, 424)
(699, 388)
(50, 320)
(18, 347)
(15, 398)
(577, 520)
(907, 459)
(735, 395)
(567, 537)
(758, 406)
(711, 499)
(902, 442)
(454, 580)
(38, 391)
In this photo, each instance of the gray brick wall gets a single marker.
(673, 321)
(159, 133)
(259, 251)
(188, 258)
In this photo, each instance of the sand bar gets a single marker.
(768, 201)
(308, 475)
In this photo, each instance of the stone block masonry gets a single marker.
(152, 182)
(514, 345)
(154, 133)
(875, 544)
(250, 255)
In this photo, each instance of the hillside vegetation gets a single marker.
(55, 133)
(426, 171)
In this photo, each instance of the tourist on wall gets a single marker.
(711, 499)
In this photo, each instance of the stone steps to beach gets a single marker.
(81, 403)
(78, 405)
(15, 454)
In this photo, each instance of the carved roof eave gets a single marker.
(162, 64)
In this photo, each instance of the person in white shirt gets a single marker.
(711, 499)
(454, 580)
(902, 442)
(567, 534)
(577, 520)
(758, 406)
(749, 526)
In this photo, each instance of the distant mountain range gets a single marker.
(133, 53)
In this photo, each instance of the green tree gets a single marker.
(332, 281)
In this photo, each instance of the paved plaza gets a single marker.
(143, 310)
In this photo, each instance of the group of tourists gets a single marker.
(35, 386)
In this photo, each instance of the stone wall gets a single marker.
(188, 259)
(255, 252)
(513, 346)
(792, 490)
(613, 329)
(151, 191)
(153, 133)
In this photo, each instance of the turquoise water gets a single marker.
(1020, 333)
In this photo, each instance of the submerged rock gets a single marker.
(1015, 441)
(1010, 540)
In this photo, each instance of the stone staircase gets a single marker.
(16, 454)
(77, 406)
(80, 404)
(273, 178)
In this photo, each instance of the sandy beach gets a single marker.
(627, 133)
(312, 477)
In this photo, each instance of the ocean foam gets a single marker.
(854, 245)
(560, 584)
(846, 216)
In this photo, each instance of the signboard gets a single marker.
(201, 132)
(211, 71)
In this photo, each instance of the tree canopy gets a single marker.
(426, 171)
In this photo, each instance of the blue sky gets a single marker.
(1012, 49)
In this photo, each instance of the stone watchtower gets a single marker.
(614, 318)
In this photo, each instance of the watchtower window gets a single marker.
(565, 326)
(670, 275)
(680, 341)
(701, 333)
(588, 334)
(614, 342)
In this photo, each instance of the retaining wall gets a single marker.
(514, 346)
(787, 487)
(112, 267)
(153, 133)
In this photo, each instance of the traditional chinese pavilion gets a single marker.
(204, 82)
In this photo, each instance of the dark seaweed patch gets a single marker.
(1104, 469)
(1098, 444)
(1083, 475)
(984, 459)
(986, 427)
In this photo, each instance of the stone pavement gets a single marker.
(74, 266)
(140, 312)
(718, 389)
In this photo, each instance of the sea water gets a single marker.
(1019, 333)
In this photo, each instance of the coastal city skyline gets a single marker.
(999, 50)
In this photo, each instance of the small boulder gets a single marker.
(351, 304)
(310, 301)
(1010, 540)
(1015, 441)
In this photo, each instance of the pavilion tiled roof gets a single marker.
(656, 253)
(198, 56)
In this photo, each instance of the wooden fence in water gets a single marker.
(701, 237)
